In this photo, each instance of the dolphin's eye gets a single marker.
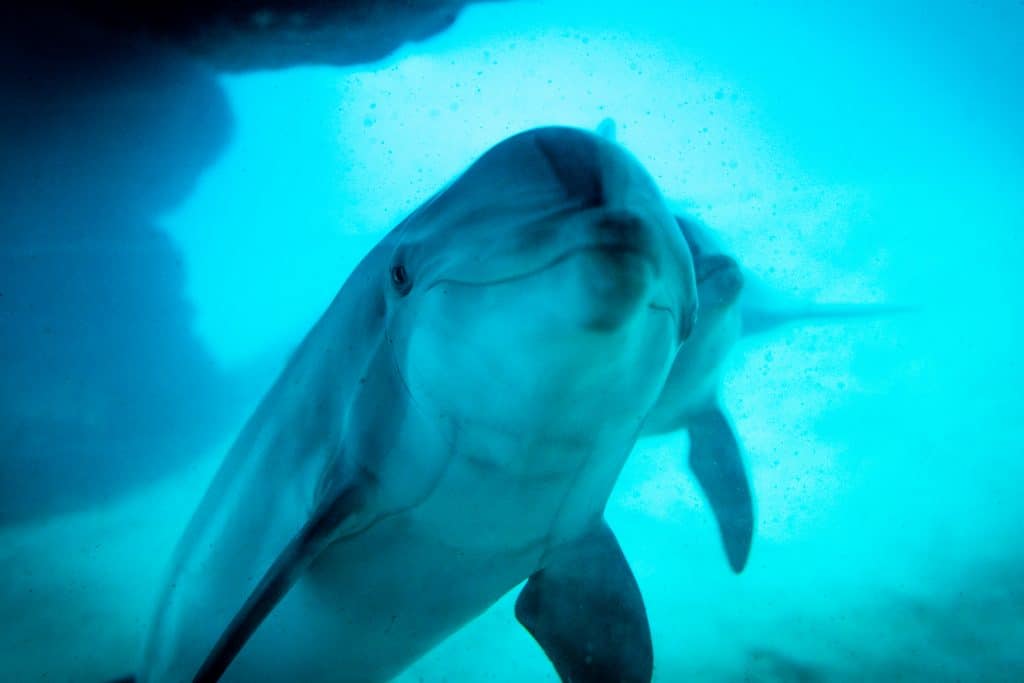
(400, 279)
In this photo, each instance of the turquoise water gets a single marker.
(869, 154)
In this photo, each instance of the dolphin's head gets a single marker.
(719, 277)
(696, 374)
(551, 273)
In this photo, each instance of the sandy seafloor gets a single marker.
(868, 154)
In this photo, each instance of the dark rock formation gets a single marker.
(236, 35)
(106, 121)
(105, 386)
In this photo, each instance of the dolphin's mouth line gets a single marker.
(611, 247)
(664, 308)
(667, 310)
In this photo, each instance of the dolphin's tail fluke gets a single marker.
(124, 679)
(757, 319)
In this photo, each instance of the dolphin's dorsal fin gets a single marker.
(606, 129)
(315, 535)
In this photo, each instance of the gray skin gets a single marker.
(697, 371)
(734, 304)
(690, 397)
(453, 425)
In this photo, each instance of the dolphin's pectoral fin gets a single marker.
(315, 535)
(717, 463)
(585, 610)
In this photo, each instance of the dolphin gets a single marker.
(733, 304)
(452, 426)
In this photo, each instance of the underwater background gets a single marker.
(153, 278)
